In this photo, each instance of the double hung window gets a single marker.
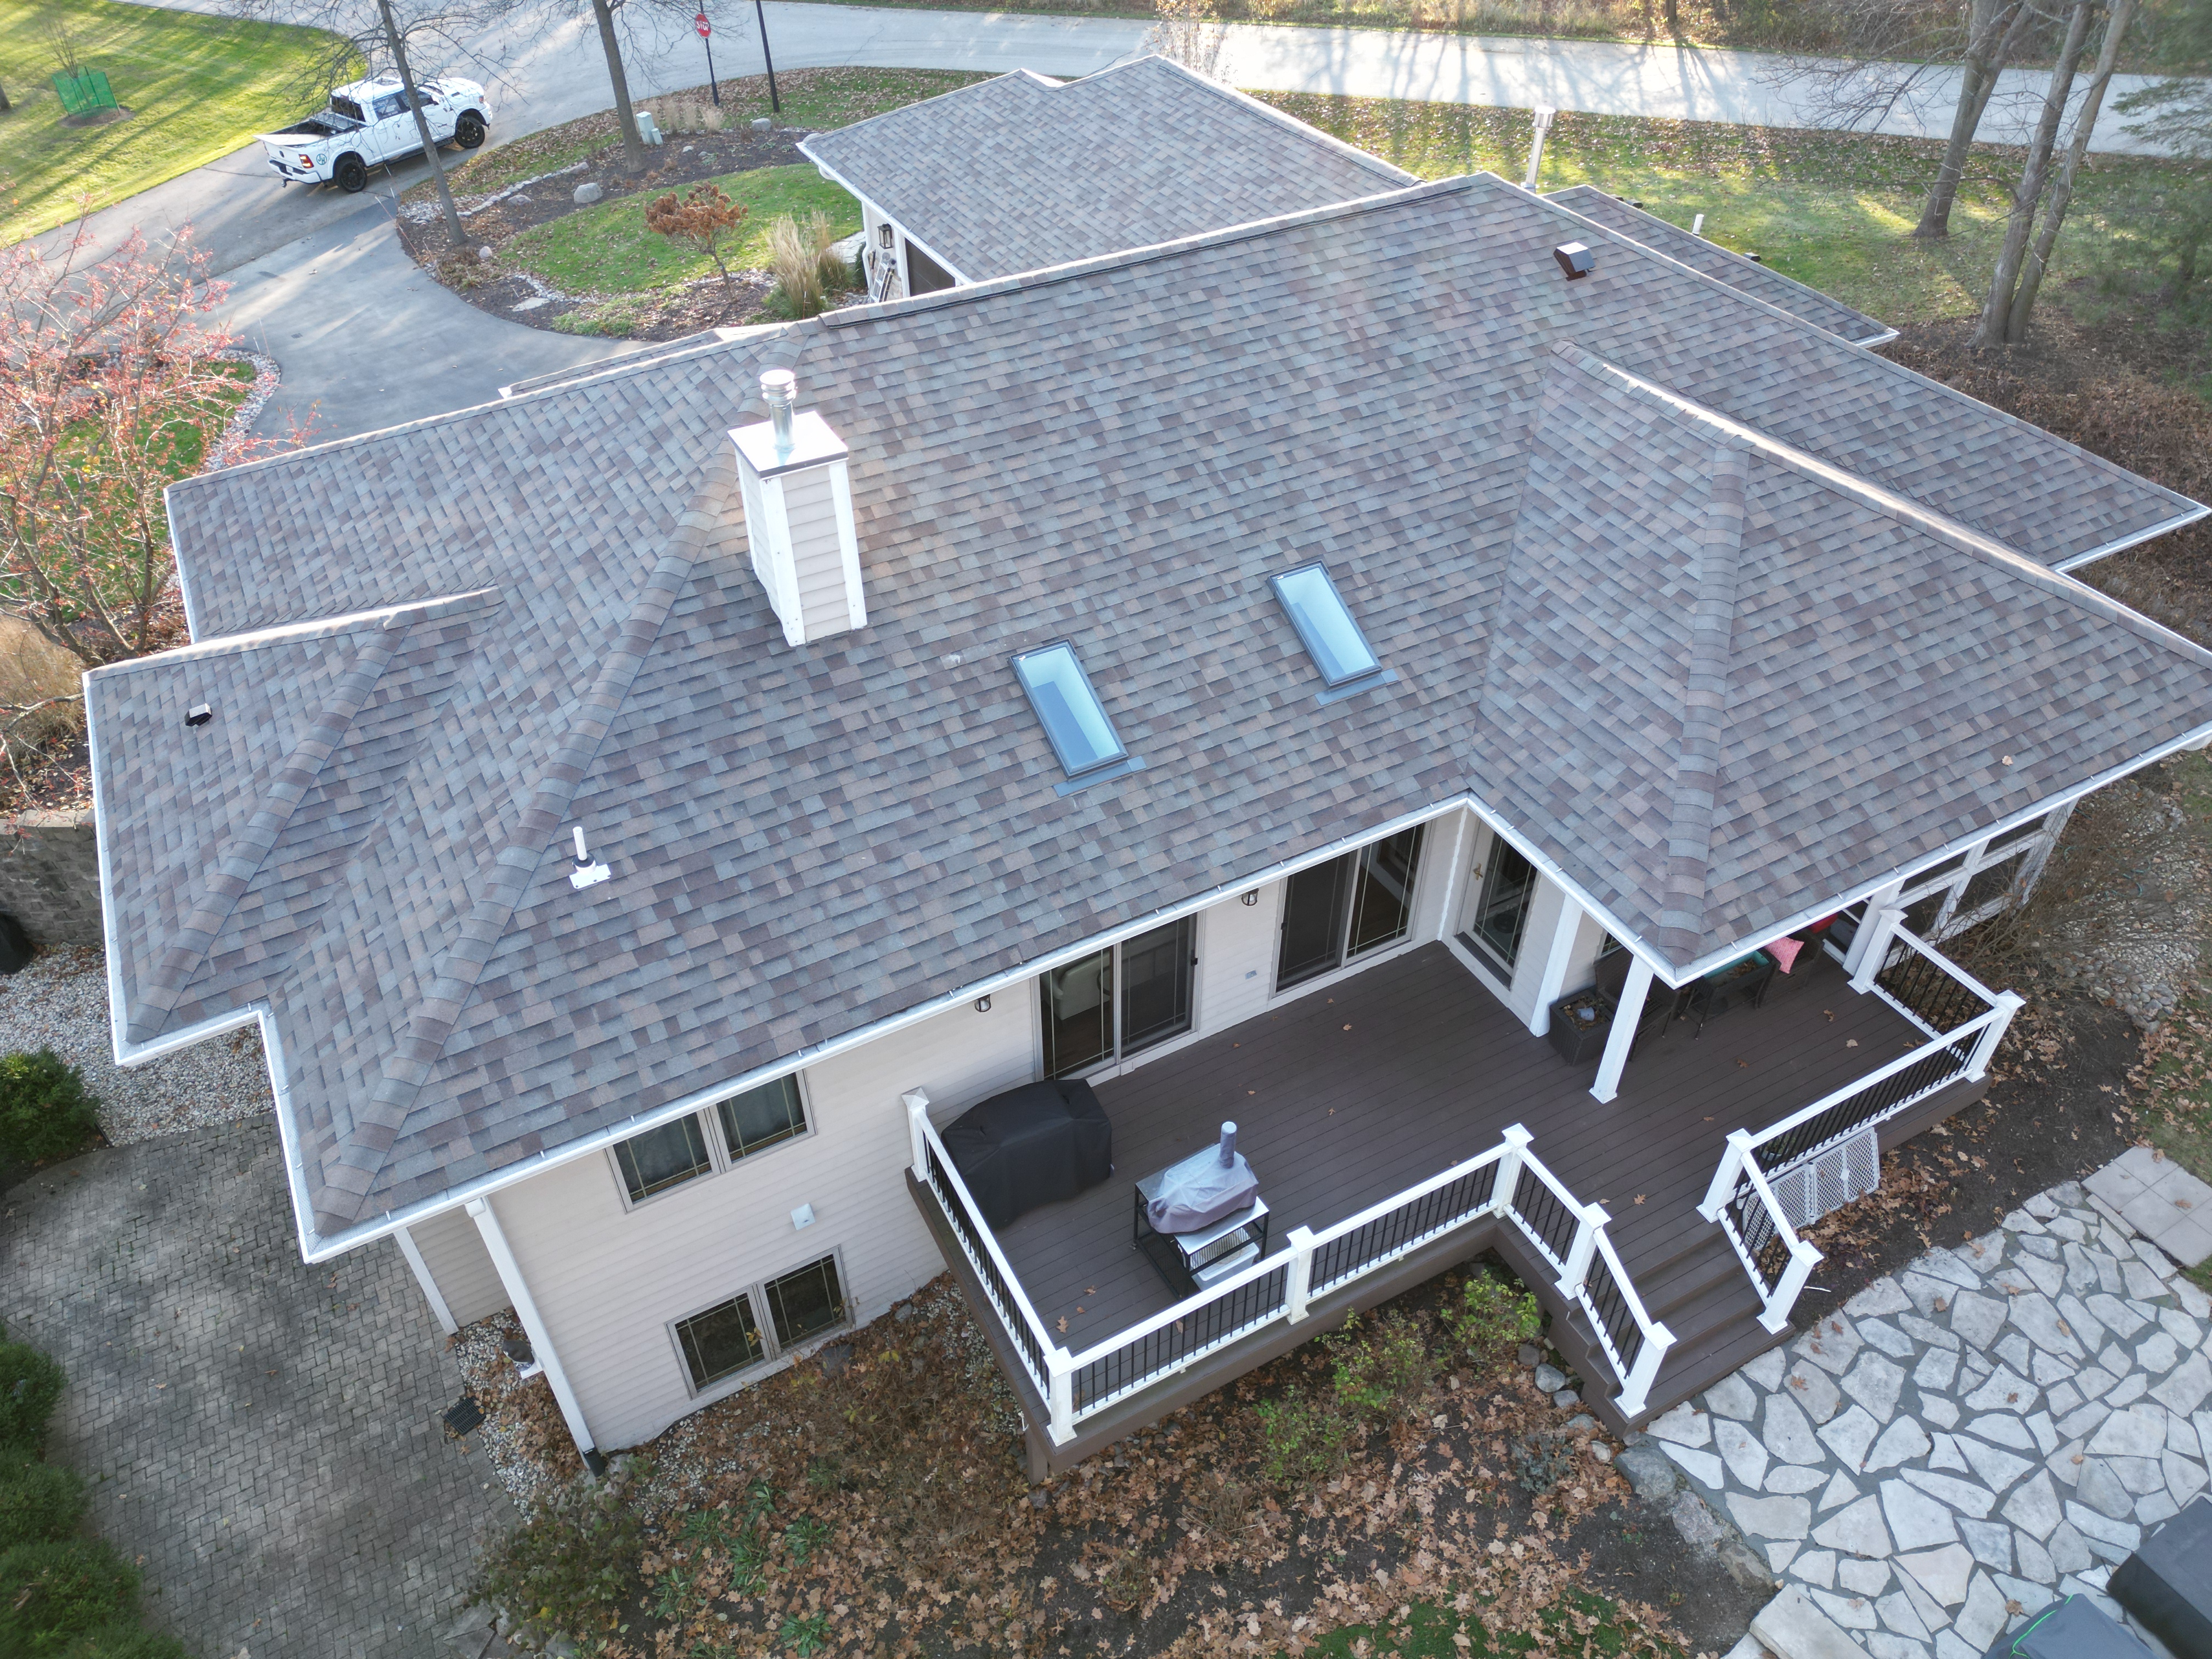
(1347, 907)
(1120, 1001)
(761, 1322)
(660, 1159)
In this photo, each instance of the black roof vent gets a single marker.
(1576, 259)
(198, 715)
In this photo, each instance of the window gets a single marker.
(663, 1157)
(1501, 907)
(1332, 638)
(347, 107)
(1074, 718)
(1347, 907)
(392, 104)
(806, 1301)
(1086, 1023)
(721, 1341)
(763, 1117)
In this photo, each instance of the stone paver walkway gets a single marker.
(2160, 1199)
(263, 1433)
(1961, 1444)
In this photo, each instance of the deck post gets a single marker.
(1298, 1289)
(1517, 1140)
(916, 1101)
(1985, 1046)
(1872, 945)
(1060, 1369)
(1594, 1216)
(1875, 903)
(1723, 1185)
(1565, 928)
(1636, 1389)
(1803, 1258)
(1622, 1037)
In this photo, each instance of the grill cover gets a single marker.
(2167, 1583)
(1035, 1145)
(1200, 1190)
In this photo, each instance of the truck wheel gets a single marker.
(469, 130)
(351, 175)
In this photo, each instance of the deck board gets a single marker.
(1431, 1070)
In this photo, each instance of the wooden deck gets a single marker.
(1359, 1092)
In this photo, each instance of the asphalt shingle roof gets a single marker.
(1021, 173)
(1717, 678)
(1723, 266)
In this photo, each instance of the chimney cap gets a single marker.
(1576, 259)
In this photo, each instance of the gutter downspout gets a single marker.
(541, 1345)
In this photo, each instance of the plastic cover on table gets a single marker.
(1203, 1188)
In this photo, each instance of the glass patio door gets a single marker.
(1338, 910)
(1501, 907)
(1087, 1023)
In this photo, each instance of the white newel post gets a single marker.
(1881, 899)
(1298, 1289)
(1803, 1258)
(1723, 1187)
(916, 1102)
(1061, 1369)
(1635, 1389)
(1508, 1170)
(1622, 1037)
(1871, 947)
(1985, 1046)
(1579, 1253)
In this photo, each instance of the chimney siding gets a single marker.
(799, 526)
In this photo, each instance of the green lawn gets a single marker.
(607, 250)
(197, 88)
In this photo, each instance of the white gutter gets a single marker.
(2130, 540)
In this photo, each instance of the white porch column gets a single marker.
(525, 1309)
(1622, 1036)
(431, 1293)
(1871, 947)
(1555, 955)
(1881, 899)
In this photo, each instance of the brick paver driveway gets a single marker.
(263, 1434)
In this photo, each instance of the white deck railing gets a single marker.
(1507, 1183)
(1965, 1021)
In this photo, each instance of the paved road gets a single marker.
(263, 1434)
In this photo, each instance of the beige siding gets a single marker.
(817, 560)
(454, 1251)
(607, 1281)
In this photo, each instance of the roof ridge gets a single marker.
(1719, 539)
(348, 1166)
(1303, 130)
(1889, 501)
(1051, 276)
(240, 858)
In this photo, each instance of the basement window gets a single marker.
(1074, 718)
(1325, 625)
(721, 1341)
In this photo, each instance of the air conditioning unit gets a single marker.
(1828, 1180)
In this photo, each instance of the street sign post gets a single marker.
(774, 104)
(707, 35)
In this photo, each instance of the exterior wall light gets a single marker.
(982, 1004)
(1252, 897)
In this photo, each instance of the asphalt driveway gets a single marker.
(264, 1434)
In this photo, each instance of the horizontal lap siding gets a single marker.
(810, 509)
(452, 1249)
(607, 1281)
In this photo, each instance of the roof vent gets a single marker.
(198, 715)
(1576, 259)
(799, 515)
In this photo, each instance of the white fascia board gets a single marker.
(886, 215)
(2137, 538)
(1881, 339)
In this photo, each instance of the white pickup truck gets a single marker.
(368, 124)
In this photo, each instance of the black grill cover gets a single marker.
(1035, 1145)
(2075, 1628)
(2167, 1583)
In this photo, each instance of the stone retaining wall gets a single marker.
(50, 876)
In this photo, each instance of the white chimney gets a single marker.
(798, 516)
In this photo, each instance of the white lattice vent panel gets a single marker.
(1849, 1169)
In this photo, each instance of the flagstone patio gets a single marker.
(1993, 1427)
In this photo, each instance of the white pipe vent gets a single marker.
(798, 516)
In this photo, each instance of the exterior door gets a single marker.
(1501, 907)
(1338, 910)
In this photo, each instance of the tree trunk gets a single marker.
(1675, 19)
(2061, 192)
(1997, 307)
(633, 140)
(453, 228)
(4, 105)
(1993, 30)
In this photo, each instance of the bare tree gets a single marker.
(615, 20)
(1187, 32)
(1994, 31)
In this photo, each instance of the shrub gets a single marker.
(37, 1501)
(798, 271)
(1383, 1373)
(1305, 1438)
(569, 1566)
(1493, 1319)
(30, 1384)
(45, 1110)
(125, 1642)
(61, 1589)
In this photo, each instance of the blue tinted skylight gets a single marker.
(1339, 649)
(1081, 735)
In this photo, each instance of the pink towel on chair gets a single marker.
(1784, 951)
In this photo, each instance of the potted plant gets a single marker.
(1580, 1024)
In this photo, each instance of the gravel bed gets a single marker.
(60, 1002)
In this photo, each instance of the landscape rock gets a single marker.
(588, 192)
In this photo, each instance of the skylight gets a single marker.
(1082, 736)
(1331, 639)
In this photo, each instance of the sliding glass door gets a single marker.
(1347, 907)
(1120, 1001)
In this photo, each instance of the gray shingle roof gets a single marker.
(560, 626)
(1719, 263)
(1021, 173)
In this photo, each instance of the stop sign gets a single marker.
(704, 28)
